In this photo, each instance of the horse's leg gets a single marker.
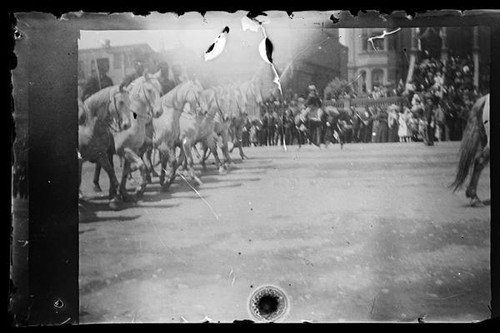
(204, 156)
(186, 145)
(149, 154)
(480, 162)
(125, 174)
(97, 174)
(240, 145)
(143, 153)
(136, 163)
(104, 161)
(163, 165)
(225, 150)
(212, 144)
(198, 155)
(171, 167)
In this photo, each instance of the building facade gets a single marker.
(324, 59)
(387, 61)
(119, 60)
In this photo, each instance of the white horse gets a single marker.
(205, 128)
(166, 128)
(145, 105)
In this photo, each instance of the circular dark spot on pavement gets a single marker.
(268, 304)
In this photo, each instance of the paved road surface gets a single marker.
(367, 233)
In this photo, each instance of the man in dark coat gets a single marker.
(429, 118)
(382, 130)
(165, 82)
(97, 82)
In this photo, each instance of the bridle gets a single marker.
(110, 124)
(218, 106)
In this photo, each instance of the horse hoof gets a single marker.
(165, 186)
(115, 204)
(476, 202)
(97, 188)
(222, 171)
(128, 198)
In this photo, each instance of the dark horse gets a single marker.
(96, 117)
(474, 150)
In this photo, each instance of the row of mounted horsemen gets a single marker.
(190, 114)
(135, 120)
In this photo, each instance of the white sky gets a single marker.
(155, 38)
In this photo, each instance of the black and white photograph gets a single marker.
(269, 167)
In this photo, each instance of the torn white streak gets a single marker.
(383, 35)
(216, 47)
(249, 24)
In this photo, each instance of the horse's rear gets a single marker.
(474, 149)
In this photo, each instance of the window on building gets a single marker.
(377, 77)
(362, 82)
(376, 44)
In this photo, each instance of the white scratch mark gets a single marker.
(233, 275)
(157, 233)
(199, 195)
(384, 34)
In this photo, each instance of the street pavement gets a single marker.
(367, 233)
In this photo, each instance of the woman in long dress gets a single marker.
(403, 127)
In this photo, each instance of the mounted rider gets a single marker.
(98, 81)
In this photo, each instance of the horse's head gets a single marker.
(119, 107)
(193, 96)
(145, 96)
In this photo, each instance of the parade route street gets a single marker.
(367, 233)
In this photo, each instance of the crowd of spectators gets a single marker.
(432, 106)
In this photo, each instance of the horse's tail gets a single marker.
(471, 142)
